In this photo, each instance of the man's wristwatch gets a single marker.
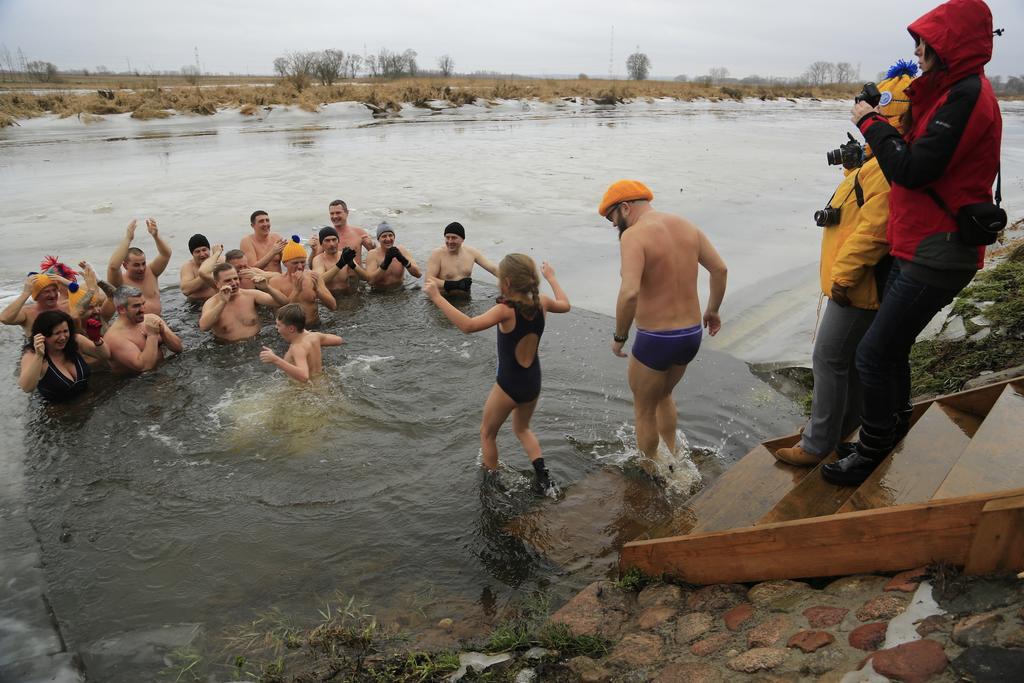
(620, 340)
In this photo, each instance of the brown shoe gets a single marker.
(796, 455)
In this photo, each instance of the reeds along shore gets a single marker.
(147, 98)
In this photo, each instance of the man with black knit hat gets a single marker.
(450, 267)
(193, 284)
(338, 276)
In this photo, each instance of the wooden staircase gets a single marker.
(951, 491)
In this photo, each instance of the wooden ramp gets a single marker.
(951, 491)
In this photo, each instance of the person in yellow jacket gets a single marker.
(854, 265)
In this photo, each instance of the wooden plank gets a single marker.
(744, 492)
(975, 401)
(812, 497)
(995, 457)
(998, 544)
(887, 539)
(919, 464)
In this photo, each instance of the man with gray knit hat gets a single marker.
(385, 265)
(450, 267)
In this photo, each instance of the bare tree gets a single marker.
(191, 73)
(281, 67)
(638, 66)
(446, 65)
(845, 73)
(297, 68)
(717, 74)
(820, 73)
(353, 63)
(328, 66)
(42, 71)
(409, 62)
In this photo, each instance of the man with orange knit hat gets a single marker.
(44, 292)
(660, 253)
(302, 286)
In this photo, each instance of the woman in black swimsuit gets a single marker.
(53, 361)
(519, 315)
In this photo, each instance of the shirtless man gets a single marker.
(263, 247)
(349, 235)
(450, 267)
(231, 313)
(386, 265)
(193, 284)
(46, 297)
(303, 360)
(136, 337)
(246, 273)
(337, 275)
(302, 286)
(660, 254)
(139, 274)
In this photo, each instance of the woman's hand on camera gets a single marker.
(860, 110)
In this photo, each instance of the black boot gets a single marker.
(902, 429)
(854, 468)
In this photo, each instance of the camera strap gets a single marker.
(856, 189)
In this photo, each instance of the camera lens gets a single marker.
(835, 157)
(826, 217)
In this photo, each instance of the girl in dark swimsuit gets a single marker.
(519, 315)
(53, 361)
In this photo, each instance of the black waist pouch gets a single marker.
(980, 224)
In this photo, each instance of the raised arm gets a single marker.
(496, 314)
(213, 307)
(297, 370)
(119, 255)
(205, 269)
(406, 259)
(95, 349)
(159, 264)
(127, 353)
(322, 293)
(32, 365)
(560, 304)
(192, 280)
(14, 312)
(170, 340)
(715, 266)
(267, 294)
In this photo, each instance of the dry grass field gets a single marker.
(157, 97)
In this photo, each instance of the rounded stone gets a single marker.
(913, 662)
(809, 641)
(768, 632)
(758, 659)
(446, 624)
(711, 644)
(770, 591)
(637, 650)
(690, 627)
(882, 607)
(868, 637)
(977, 629)
(823, 617)
(659, 594)
(689, 672)
(653, 617)
(738, 616)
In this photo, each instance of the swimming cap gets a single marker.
(623, 191)
(196, 241)
(383, 228)
(455, 229)
(327, 232)
(293, 250)
(41, 282)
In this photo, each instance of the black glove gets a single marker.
(400, 257)
(389, 255)
(347, 258)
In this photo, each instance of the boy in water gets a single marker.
(303, 360)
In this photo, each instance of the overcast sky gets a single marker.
(747, 37)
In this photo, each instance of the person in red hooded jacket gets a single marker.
(947, 159)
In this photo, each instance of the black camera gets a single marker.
(826, 217)
(850, 155)
(870, 94)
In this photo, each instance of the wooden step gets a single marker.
(975, 401)
(979, 531)
(919, 463)
(812, 497)
(995, 457)
(745, 491)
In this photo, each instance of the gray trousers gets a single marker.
(835, 406)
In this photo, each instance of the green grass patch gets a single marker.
(633, 580)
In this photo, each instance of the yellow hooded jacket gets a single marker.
(850, 250)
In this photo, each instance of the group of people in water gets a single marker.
(897, 247)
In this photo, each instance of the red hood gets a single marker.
(960, 32)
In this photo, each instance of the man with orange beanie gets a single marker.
(44, 292)
(660, 253)
(302, 286)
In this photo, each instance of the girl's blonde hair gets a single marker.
(523, 283)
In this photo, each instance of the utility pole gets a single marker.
(611, 56)
(199, 69)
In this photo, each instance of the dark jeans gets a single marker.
(883, 357)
